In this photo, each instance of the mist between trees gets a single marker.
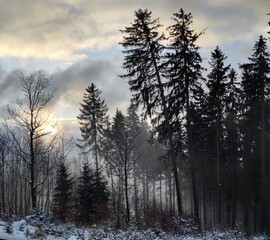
(204, 156)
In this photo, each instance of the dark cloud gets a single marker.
(71, 83)
(10, 85)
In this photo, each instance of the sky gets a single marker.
(77, 43)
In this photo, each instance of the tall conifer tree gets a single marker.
(92, 119)
(85, 195)
(101, 209)
(217, 84)
(184, 72)
(143, 62)
(232, 146)
(256, 86)
(62, 198)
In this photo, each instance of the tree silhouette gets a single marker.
(85, 195)
(92, 120)
(143, 62)
(256, 86)
(62, 198)
(184, 72)
(31, 118)
(217, 82)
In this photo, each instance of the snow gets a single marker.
(23, 228)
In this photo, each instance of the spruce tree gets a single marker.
(248, 137)
(256, 87)
(92, 119)
(199, 132)
(143, 62)
(232, 146)
(217, 84)
(101, 209)
(62, 197)
(184, 72)
(85, 195)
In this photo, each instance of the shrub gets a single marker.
(8, 227)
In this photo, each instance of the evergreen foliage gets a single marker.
(184, 72)
(217, 84)
(231, 162)
(255, 130)
(143, 55)
(92, 120)
(143, 62)
(62, 198)
(92, 201)
(183, 66)
(85, 195)
(101, 210)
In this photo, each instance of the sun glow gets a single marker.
(50, 129)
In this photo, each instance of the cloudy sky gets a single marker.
(76, 41)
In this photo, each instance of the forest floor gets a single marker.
(26, 229)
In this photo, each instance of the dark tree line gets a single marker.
(217, 123)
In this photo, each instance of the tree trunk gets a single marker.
(204, 206)
(119, 205)
(3, 183)
(246, 199)
(218, 199)
(154, 192)
(126, 195)
(160, 191)
(234, 193)
(96, 150)
(113, 197)
(144, 192)
(136, 207)
(147, 196)
(192, 164)
(170, 193)
(264, 204)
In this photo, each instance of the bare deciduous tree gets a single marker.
(29, 121)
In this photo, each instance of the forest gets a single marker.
(192, 146)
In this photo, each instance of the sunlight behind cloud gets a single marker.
(50, 129)
(64, 30)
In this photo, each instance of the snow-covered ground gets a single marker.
(25, 230)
